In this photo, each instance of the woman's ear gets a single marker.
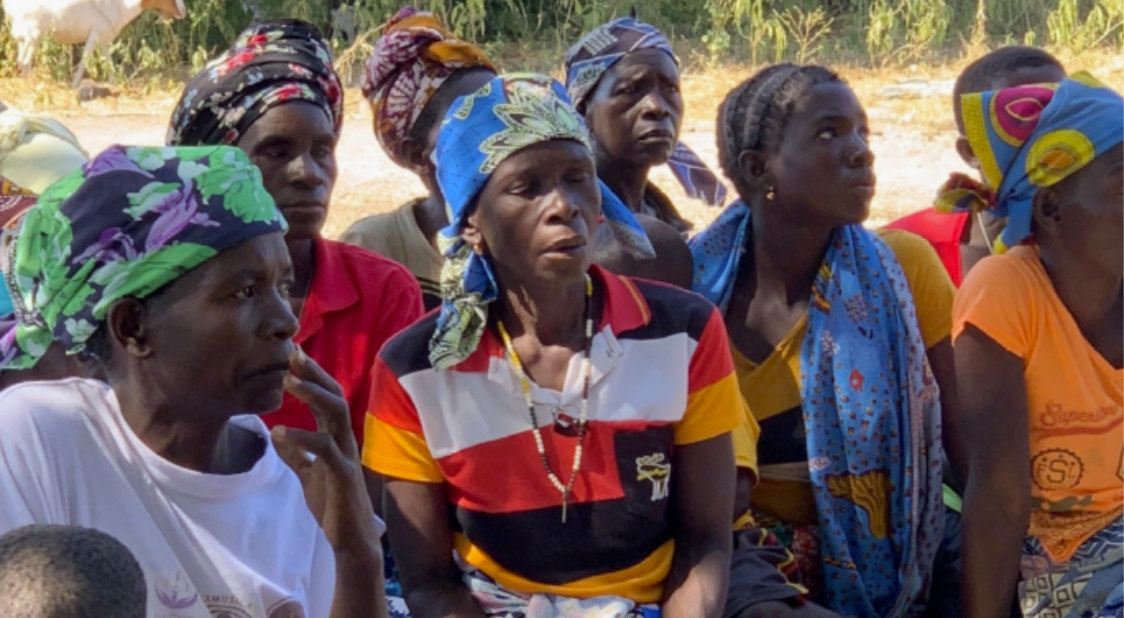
(128, 329)
(1047, 211)
(413, 153)
(753, 169)
(471, 233)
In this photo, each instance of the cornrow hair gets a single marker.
(754, 114)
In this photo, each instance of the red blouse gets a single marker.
(943, 231)
(358, 300)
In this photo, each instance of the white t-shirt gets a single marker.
(243, 545)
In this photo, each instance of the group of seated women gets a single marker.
(189, 366)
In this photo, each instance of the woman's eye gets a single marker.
(577, 178)
(826, 134)
(322, 152)
(245, 293)
(286, 290)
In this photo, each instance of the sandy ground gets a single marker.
(910, 118)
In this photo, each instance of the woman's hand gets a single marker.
(327, 461)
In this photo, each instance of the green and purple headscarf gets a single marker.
(131, 221)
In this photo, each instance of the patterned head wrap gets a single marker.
(412, 59)
(481, 131)
(1028, 137)
(14, 201)
(269, 64)
(130, 222)
(589, 59)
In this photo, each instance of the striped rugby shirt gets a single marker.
(662, 376)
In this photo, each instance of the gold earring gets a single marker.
(478, 248)
(770, 194)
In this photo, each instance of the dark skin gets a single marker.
(294, 146)
(419, 145)
(634, 113)
(218, 342)
(826, 139)
(54, 365)
(534, 219)
(985, 228)
(1079, 225)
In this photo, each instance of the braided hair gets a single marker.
(754, 115)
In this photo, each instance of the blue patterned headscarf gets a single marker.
(131, 221)
(1028, 137)
(480, 131)
(871, 413)
(597, 52)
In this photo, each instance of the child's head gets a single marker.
(1014, 65)
(68, 572)
(790, 124)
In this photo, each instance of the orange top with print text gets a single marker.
(1074, 397)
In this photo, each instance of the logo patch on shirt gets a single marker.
(1057, 468)
(175, 591)
(656, 469)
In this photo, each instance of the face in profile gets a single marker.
(636, 109)
(221, 335)
(537, 214)
(294, 146)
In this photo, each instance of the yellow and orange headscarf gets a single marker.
(412, 59)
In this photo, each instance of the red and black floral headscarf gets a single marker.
(269, 64)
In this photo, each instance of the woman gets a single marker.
(168, 265)
(834, 330)
(624, 79)
(573, 516)
(1039, 355)
(275, 95)
(419, 67)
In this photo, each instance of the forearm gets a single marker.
(442, 599)
(992, 547)
(360, 589)
(699, 578)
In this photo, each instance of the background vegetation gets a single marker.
(533, 34)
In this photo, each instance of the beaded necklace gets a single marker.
(567, 488)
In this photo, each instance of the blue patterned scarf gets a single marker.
(871, 416)
(597, 52)
(479, 132)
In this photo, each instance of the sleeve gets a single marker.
(932, 289)
(997, 298)
(714, 403)
(27, 495)
(745, 438)
(394, 443)
(403, 308)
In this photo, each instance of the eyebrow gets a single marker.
(834, 117)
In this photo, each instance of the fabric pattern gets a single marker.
(480, 132)
(589, 59)
(131, 221)
(871, 417)
(14, 202)
(1087, 586)
(412, 59)
(499, 602)
(269, 64)
(1028, 137)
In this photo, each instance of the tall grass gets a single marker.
(878, 32)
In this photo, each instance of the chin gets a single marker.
(264, 402)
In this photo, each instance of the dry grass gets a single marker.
(912, 137)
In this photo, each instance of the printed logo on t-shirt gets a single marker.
(1056, 468)
(228, 606)
(656, 469)
(286, 609)
(175, 591)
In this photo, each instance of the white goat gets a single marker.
(69, 22)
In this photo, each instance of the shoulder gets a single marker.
(32, 411)
(936, 227)
(408, 351)
(370, 269)
(908, 247)
(372, 231)
(1014, 274)
(673, 309)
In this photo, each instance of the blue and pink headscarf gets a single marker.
(480, 131)
(591, 57)
(1028, 137)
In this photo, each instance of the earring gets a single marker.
(770, 194)
(478, 248)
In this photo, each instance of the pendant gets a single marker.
(565, 425)
(564, 502)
